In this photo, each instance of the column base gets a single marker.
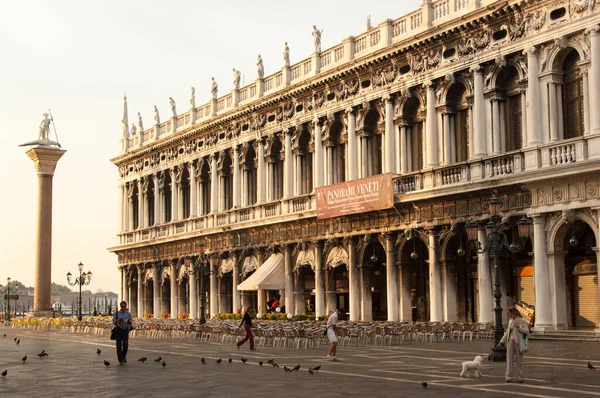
(43, 314)
(542, 328)
(498, 354)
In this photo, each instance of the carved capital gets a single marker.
(476, 69)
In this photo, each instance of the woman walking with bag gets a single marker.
(515, 340)
(122, 321)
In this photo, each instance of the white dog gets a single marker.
(472, 366)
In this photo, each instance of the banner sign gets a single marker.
(527, 312)
(357, 196)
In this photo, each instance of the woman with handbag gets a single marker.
(122, 321)
(515, 340)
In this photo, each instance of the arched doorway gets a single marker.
(304, 280)
(337, 286)
(415, 276)
(373, 282)
(225, 287)
(149, 293)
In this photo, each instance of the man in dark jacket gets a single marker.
(247, 322)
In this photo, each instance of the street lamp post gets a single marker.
(7, 291)
(202, 268)
(496, 242)
(83, 279)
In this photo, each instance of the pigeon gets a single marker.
(5, 335)
(230, 360)
(15, 339)
(106, 363)
(18, 341)
(270, 361)
(158, 359)
(274, 364)
(98, 351)
(164, 364)
(43, 352)
(142, 359)
(244, 360)
(424, 384)
(260, 363)
(287, 369)
(203, 360)
(590, 366)
(219, 361)
(311, 372)
(296, 368)
(41, 355)
(316, 368)
(5, 373)
(24, 358)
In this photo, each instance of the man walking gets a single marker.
(122, 321)
(332, 332)
(247, 322)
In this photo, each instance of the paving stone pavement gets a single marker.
(73, 369)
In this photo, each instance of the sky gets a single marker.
(78, 58)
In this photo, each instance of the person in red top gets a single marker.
(275, 305)
(247, 322)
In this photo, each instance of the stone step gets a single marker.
(584, 337)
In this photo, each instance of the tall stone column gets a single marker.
(479, 131)
(390, 136)
(534, 131)
(366, 299)
(594, 79)
(260, 173)
(289, 279)
(319, 281)
(447, 146)
(431, 135)
(484, 281)
(236, 281)
(130, 214)
(214, 184)
(354, 281)
(174, 192)
(174, 310)
(318, 158)
(236, 177)
(541, 275)
(156, 201)
(405, 298)
(193, 190)
(435, 279)
(214, 288)
(140, 291)
(403, 150)
(44, 160)
(122, 196)
(140, 212)
(125, 286)
(193, 296)
(391, 277)
(288, 168)
(449, 291)
(156, 268)
(352, 169)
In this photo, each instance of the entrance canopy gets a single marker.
(269, 276)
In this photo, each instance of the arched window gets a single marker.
(224, 170)
(413, 130)
(185, 192)
(573, 96)
(456, 139)
(371, 145)
(166, 194)
(510, 111)
(205, 186)
(304, 164)
(249, 166)
(150, 192)
(135, 198)
(275, 168)
(337, 153)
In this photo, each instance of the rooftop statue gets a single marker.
(236, 79)
(260, 67)
(193, 98)
(156, 115)
(286, 54)
(317, 38)
(214, 88)
(44, 133)
(140, 123)
(173, 108)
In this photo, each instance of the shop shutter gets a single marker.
(586, 300)
(526, 291)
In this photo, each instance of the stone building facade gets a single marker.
(458, 100)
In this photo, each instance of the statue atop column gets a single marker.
(260, 68)
(173, 108)
(214, 88)
(133, 129)
(140, 123)
(286, 54)
(44, 133)
(236, 79)
(316, 33)
(369, 27)
(193, 98)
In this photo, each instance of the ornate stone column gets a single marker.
(140, 292)
(447, 147)
(260, 173)
(431, 134)
(541, 276)
(156, 201)
(214, 288)
(449, 290)
(403, 149)
(174, 192)
(405, 297)
(156, 268)
(44, 161)
(193, 281)
(479, 133)
(146, 208)
(236, 177)
(288, 171)
(319, 281)
(214, 184)
(354, 280)
(261, 295)
(236, 281)
(289, 279)
(140, 213)
(174, 293)
(534, 132)
(352, 170)
(130, 207)
(484, 281)
(366, 302)
(391, 277)
(193, 190)
(435, 278)
(390, 136)
(594, 78)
